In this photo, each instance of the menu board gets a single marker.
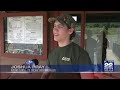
(25, 29)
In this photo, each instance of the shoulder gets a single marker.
(76, 46)
(79, 50)
(83, 56)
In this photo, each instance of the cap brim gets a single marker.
(52, 19)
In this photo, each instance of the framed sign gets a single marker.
(25, 34)
(25, 30)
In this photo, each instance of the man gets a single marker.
(68, 53)
(90, 45)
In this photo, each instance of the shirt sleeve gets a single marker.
(84, 58)
(85, 64)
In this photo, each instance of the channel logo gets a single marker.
(108, 66)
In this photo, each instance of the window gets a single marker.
(77, 18)
(102, 37)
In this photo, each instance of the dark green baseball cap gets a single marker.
(64, 19)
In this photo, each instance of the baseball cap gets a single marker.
(64, 19)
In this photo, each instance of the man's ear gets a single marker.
(71, 30)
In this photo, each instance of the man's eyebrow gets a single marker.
(59, 24)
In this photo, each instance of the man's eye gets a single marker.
(55, 27)
(60, 26)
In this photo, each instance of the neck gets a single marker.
(64, 43)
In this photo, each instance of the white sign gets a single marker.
(27, 29)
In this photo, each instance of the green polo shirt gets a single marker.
(71, 54)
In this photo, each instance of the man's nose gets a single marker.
(55, 29)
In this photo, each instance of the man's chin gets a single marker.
(55, 39)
